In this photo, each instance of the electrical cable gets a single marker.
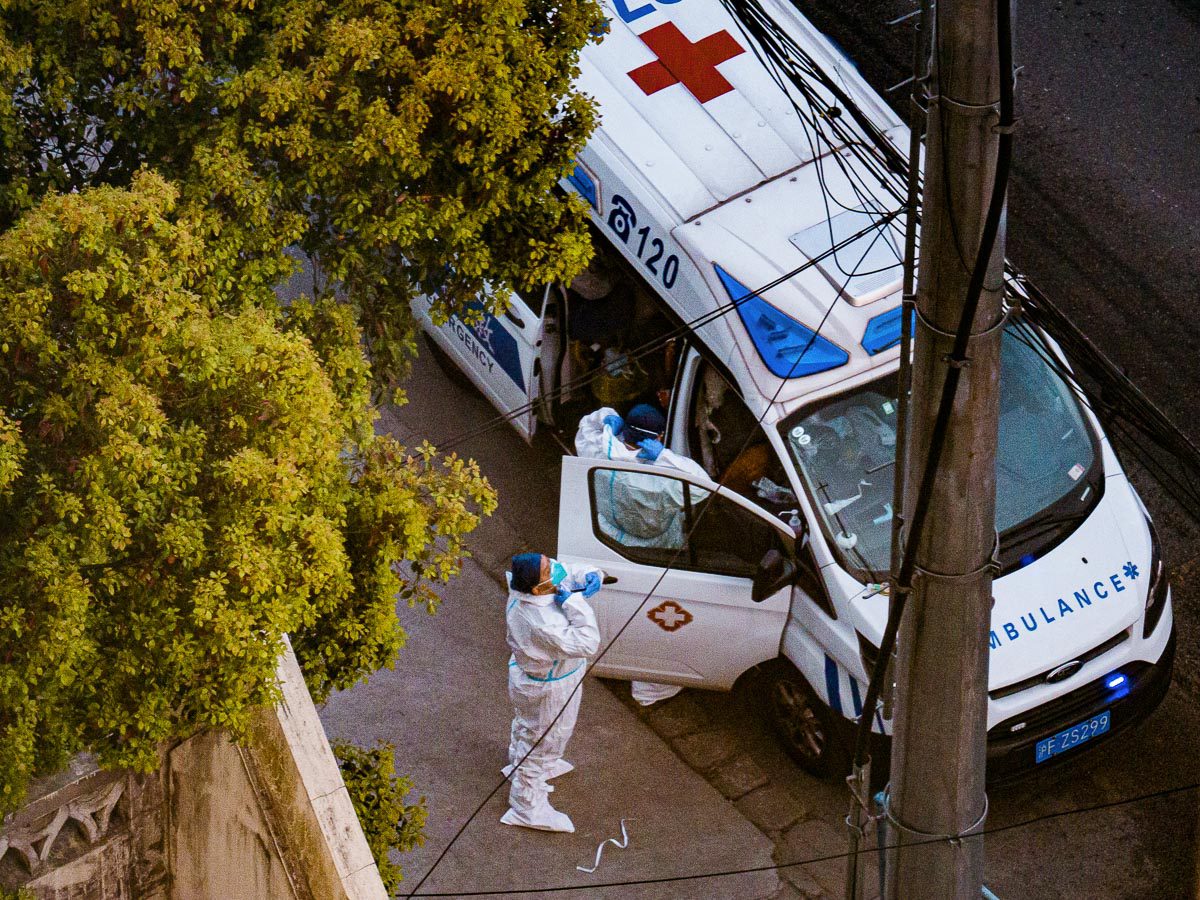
(656, 343)
(783, 55)
(650, 593)
(750, 870)
(1128, 417)
(895, 165)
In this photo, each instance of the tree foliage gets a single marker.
(378, 797)
(189, 468)
(185, 476)
(388, 137)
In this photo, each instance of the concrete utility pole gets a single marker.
(938, 750)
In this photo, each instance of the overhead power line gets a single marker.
(812, 860)
(750, 436)
(689, 327)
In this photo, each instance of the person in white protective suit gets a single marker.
(634, 509)
(551, 631)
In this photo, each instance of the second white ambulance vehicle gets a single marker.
(704, 185)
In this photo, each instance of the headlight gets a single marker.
(1156, 597)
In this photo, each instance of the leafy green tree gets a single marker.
(184, 477)
(187, 467)
(378, 797)
(389, 138)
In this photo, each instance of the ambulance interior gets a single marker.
(615, 327)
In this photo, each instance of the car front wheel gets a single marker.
(804, 726)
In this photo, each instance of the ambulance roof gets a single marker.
(686, 101)
(699, 126)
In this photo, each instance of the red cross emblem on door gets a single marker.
(681, 61)
(669, 616)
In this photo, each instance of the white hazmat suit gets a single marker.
(550, 649)
(596, 440)
(636, 510)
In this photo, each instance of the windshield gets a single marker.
(1047, 460)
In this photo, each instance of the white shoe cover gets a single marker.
(543, 817)
(556, 768)
(648, 692)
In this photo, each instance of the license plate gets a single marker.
(1073, 736)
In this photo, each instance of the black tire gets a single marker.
(448, 365)
(806, 728)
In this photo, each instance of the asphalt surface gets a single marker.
(1119, 851)
(1104, 215)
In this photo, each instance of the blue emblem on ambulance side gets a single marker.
(490, 342)
(581, 179)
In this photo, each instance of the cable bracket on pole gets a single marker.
(991, 567)
(955, 840)
(963, 108)
(953, 335)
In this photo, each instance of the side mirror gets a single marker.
(775, 572)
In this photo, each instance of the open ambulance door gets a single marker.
(699, 579)
(503, 355)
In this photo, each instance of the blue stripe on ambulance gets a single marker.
(832, 687)
(495, 339)
(854, 695)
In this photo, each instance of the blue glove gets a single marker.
(615, 423)
(591, 584)
(650, 449)
(561, 595)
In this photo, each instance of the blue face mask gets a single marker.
(557, 572)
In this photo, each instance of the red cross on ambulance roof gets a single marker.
(681, 61)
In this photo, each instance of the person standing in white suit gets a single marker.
(552, 631)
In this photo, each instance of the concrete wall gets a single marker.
(278, 807)
(269, 820)
(88, 835)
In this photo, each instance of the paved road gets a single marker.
(1104, 216)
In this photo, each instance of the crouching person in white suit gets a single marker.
(637, 437)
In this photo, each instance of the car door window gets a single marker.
(659, 520)
(533, 298)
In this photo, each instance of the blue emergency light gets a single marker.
(789, 349)
(1115, 681)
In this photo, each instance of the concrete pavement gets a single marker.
(446, 709)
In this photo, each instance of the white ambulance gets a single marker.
(705, 185)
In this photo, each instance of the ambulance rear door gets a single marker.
(699, 579)
(501, 355)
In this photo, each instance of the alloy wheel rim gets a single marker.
(800, 723)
